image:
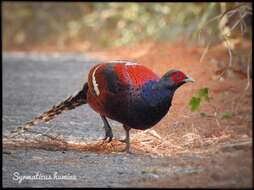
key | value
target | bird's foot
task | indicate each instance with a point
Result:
(123, 140)
(127, 147)
(108, 137)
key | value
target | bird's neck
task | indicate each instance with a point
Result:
(156, 94)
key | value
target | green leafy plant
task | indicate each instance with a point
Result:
(203, 95)
(227, 115)
(117, 24)
(195, 101)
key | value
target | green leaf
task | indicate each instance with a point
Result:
(203, 93)
(194, 103)
(227, 115)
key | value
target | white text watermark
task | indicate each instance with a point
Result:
(40, 176)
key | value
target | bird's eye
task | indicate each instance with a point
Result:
(178, 76)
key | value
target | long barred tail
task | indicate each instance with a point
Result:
(70, 103)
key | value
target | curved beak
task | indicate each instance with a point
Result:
(189, 79)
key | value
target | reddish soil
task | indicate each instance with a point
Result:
(183, 130)
(189, 132)
(228, 93)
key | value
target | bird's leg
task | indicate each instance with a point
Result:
(108, 130)
(127, 138)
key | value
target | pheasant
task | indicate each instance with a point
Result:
(123, 91)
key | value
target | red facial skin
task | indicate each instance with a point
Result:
(178, 77)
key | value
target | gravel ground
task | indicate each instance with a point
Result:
(32, 83)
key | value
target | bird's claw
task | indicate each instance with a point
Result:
(107, 139)
(123, 140)
(127, 147)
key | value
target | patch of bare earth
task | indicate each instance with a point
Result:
(227, 142)
(181, 129)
